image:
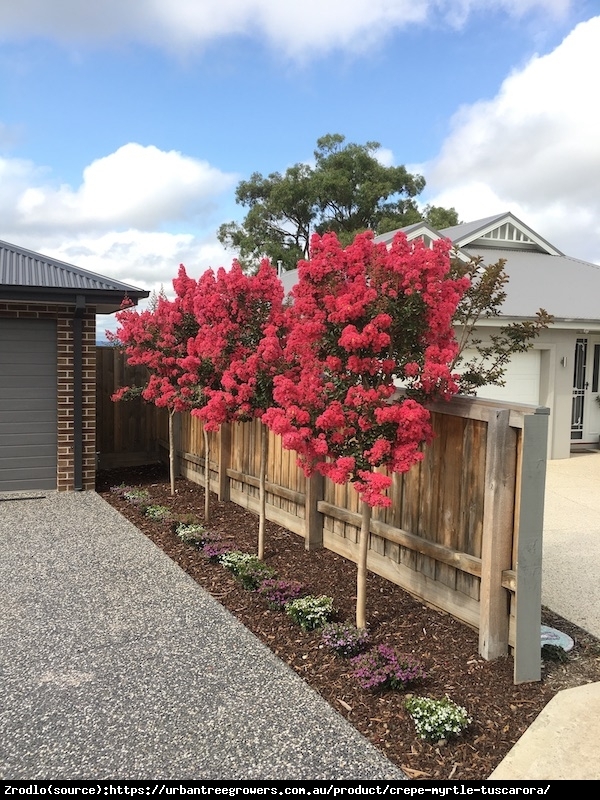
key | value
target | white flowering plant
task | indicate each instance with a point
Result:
(248, 569)
(437, 719)
(158, 513)
(310, 612)
(191, 533)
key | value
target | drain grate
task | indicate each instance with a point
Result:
(33, 497)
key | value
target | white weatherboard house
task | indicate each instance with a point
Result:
(562, 370)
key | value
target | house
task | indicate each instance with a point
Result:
(562, 369)
(48, 369)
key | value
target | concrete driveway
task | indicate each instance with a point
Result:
(571, 565)
(115, 664)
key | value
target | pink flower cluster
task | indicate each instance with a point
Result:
(363, 317)
(320, 372)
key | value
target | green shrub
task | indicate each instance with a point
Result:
(437, 719)
(158, 513)
(344, 638)
(192, 534)
(249, 570)
(310, 612)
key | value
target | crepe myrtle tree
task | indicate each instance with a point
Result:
(240, 326)
(157, 339)
(361, 317)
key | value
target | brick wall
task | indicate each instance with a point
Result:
(64, 314)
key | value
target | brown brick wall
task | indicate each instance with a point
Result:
(64, 314)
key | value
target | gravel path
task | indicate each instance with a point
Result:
(116, 665)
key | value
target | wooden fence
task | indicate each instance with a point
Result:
(127, 433)
(463, 533)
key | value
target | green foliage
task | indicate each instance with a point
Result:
(484, 300)
(384, 667)
(158, 513)
(346, 191)
(437, 719)
(192, 534)
(155, 297)
(249, 570)
(135, 497)
(310, 612)
(554, 652)
(344, 638)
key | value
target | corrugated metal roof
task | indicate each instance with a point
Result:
(457, 232)
(21, 267)
(386, 238)
(565, 287)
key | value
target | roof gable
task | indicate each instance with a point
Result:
(419, 230)
(502, 230)
(415, 231)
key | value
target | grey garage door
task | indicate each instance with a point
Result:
(27, 404)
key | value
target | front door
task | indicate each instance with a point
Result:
(585, 415)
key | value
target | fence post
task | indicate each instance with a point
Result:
(224, 456)
(530, 528)
(313, 519)
(497, 534)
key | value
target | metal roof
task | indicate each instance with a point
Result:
(465, 229)
(565, 287)
(26, 275)
(411, 231)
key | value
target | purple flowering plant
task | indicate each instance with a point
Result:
(384, 668)
(131, 494)
(135, 497)
(214, 548)
(344, 638)
(279, 592)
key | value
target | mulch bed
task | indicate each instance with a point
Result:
(501, 712)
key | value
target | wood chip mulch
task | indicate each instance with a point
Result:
(501, 712)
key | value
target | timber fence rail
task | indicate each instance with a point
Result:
(463, 532)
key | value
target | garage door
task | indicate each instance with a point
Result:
(27, 404)
(522, 378)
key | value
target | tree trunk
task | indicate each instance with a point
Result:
(264, 444)
(206, 476)
(361, 573)
(171, 452)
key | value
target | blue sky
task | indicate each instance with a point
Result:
(125, 127)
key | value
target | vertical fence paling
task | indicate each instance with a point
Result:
(498, 520)
(464, 530)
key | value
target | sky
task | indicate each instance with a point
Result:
(126, 126)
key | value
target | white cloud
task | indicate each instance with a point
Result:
(143, 259)
(533, 149)
(114, 222)
(134, 186)
(294, 27)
